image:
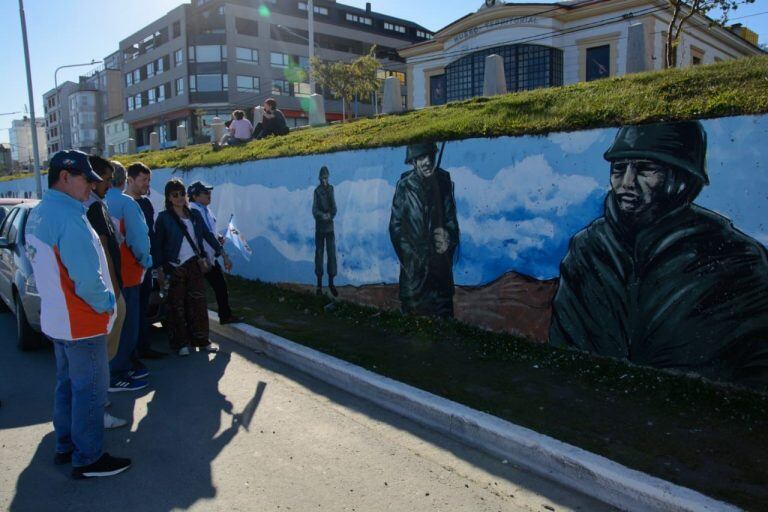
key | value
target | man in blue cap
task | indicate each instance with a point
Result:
(659, 280)
(77, 311)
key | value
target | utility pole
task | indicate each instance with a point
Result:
(311, 15)
(38, 183)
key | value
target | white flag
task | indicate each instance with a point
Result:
(238, 240)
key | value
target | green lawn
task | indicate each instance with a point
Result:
(708, 437)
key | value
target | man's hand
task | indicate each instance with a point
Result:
(441, 240)
(227, 263)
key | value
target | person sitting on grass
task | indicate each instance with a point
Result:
(239, 131)
(273, 122)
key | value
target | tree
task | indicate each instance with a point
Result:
(683, 11)
(346, 80)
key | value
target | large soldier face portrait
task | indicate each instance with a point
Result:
(425, 165)
(637, 184)
(659, 280)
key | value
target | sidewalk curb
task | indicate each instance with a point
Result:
(567, 465)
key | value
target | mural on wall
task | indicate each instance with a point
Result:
(658, 280)
(652, 267)
(324, 210)
(425, 233)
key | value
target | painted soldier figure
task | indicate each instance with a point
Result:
(324, 210)
(425, 233)
(658, 280)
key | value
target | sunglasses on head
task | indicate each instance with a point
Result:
(180, 193)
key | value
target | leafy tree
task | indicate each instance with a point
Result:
(683, 11)
(344, 80)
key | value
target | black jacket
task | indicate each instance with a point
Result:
(169, 237)
(101, 222)
(418, 208)
(274, 126)
(689, 292)
(324, 202)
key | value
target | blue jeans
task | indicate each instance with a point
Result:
(145, 290)
(121, 363)
(82, 377)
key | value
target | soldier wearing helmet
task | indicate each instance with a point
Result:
(659, 280)
(324, 210)
(424, 232)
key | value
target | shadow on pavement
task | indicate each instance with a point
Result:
(186, 423)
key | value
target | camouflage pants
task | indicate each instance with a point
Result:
(187, 309)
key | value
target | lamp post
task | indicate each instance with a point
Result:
(38, 183)
(311, 15)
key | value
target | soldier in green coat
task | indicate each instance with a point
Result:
(324, 210)
(424, 232)
(659, 280)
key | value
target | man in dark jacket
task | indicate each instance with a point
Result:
(658, 280)
(324, 210)
(273, 122)
(424, 231)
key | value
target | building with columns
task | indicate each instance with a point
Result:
(545, 45)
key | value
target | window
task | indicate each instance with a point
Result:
(247, 83)
(279, 60)
(151, 96)
(318, 10)
(280, 88)
(160, 65)
(300, 90)
(178, 58)
(437, 90)
(208, 83)
(359, 19)
(423, 35)
(161, 92)
(207, 53)
(176, 29)
(128, 79)
(598, 62)
(137, 101)
(179, 86)
(526, 66)
(697, 56)
(394, 28)
(136, 76)
(131, 103)
(247, 27)
(150, 69)
(248, 55)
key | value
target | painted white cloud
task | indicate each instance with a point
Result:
(576, 142)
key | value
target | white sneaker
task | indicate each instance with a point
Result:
(210, 348)
(184, 351)
(111, 422)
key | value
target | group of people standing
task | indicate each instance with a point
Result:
(94, 243)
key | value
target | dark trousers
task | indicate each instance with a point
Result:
(215, 278)
(187, 311)
(122, 362)
(325, 242)
(145, 291)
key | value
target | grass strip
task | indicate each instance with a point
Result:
(701, 435)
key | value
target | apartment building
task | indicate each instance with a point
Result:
(20, 135)
(116, 135)
(546, 45)
(204, 59)
(57, 130)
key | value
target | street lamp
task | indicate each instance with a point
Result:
(311, 12)
(23, 19)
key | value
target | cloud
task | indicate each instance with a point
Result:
(576, 142)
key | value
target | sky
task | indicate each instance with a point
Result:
(93, 29)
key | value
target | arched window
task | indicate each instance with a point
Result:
(526, 66)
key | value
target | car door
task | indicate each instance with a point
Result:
(6, 259)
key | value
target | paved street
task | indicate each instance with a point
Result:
(237, 431)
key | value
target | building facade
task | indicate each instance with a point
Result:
(116, 135)
(21, 142)
(546, 45)
(6, 160)
(57, 130)
(203, 60)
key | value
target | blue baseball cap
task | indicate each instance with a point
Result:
(198, 188)
(74, 162)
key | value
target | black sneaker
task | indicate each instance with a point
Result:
(107, 465)
(62, 458)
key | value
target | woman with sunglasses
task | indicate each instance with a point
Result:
(179, 235)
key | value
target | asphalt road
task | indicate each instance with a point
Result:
(237, 431)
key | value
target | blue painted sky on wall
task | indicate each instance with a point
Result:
(519, 201)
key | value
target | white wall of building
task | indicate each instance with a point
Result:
(21, 141)
(116, 134)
